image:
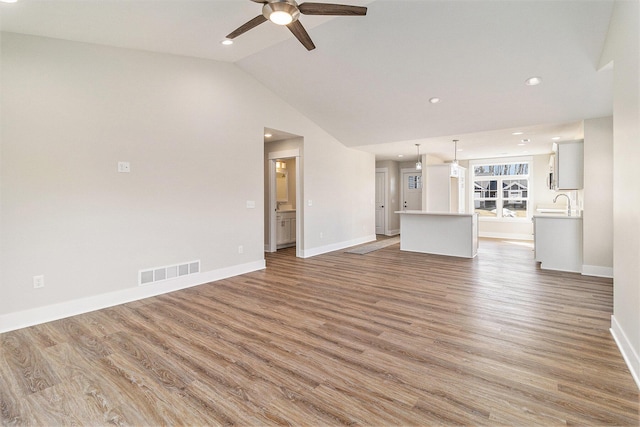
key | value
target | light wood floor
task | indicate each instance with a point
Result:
(386, 338)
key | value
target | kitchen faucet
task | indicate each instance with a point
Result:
(568, 202)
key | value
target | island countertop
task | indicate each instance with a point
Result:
(440, 233)
(416, 212)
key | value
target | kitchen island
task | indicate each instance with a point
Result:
(452, 234)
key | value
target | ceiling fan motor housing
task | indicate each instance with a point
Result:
(287, 6)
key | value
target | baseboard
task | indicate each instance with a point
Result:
(392, 232)
(35, 316)
(597, 271)
(506, 236)
(308, 253)
(630, 356)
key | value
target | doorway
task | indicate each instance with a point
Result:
(411, 192)
(283, 201)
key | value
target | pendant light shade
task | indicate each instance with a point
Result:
(418, 161)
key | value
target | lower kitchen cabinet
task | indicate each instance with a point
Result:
(558, 242)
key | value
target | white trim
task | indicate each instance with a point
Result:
(308, 253)
(48, 313)
(508, 236)
(628, 353)
(273, 155)
(394, 232)
(597, 271)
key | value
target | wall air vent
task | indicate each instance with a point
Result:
(158, 274)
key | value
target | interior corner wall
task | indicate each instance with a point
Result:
(192, 130)
(623, 46)
(598, 197)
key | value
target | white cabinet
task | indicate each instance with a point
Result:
(446, 188)
(558, 242)
(285, 229)
(568, 169)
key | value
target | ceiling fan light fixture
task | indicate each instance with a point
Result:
(280, 12)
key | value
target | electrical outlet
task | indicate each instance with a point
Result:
(240, 249)
(38, 282)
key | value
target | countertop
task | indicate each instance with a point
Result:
(555, 216)
(415, 212)
(285, 210)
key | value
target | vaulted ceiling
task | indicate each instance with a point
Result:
(369, 81)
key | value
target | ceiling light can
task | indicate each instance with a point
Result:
(533, 81)
(434, 100)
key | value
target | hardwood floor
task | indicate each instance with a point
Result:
(386, 338)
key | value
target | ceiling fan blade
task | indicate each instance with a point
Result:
(301, 34)
(247, 26)
(331, 9)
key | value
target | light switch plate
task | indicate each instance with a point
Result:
(251, 204)
(124, 167)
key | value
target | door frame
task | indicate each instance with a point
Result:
(385, 173)
(273, 205)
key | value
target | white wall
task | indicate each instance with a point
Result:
(71, 111)
(623, 48)
(598, 197)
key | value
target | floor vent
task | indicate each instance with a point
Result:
(158, 274)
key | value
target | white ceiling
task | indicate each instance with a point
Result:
(370, 78)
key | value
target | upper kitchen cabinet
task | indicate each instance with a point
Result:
(569, 166)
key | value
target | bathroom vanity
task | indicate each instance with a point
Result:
(285, 228)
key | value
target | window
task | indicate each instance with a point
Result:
(501, 190)
(415, 182)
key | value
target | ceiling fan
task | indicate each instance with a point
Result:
(287, 12)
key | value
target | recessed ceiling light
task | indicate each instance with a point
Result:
(8, 1)
(400, 155)
(517, 133)
(526, 140)
(268, 135)
(555, 138)
(227, 42)
(533, 81)
(434, 100)
(521, 144)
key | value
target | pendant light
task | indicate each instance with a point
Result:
(455, 152)
(418, 162)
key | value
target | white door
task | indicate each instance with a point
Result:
(412, 190)
(381, 210)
